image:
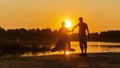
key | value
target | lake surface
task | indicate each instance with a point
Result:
(93, 47)
(98, 47)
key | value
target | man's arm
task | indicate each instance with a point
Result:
(88, 31)
(75, 27)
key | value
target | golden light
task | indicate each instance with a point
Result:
(67, 52)
(68, 23)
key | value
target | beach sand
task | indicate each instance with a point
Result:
(93, 60)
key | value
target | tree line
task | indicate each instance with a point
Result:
(29, 35)
(47, 34)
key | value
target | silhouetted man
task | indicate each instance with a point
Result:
(82, 36)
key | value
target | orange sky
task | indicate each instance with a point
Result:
(100, 15)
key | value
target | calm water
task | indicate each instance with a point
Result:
(93, 47)
(98, 47)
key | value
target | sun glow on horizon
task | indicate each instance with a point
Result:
(68, 23)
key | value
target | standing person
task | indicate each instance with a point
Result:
(63, 41)
(83, 27)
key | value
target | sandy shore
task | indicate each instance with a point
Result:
(93, 60)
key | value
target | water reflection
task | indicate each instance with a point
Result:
(93, 47)
(104, 46)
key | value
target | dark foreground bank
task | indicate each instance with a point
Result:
(93, 60)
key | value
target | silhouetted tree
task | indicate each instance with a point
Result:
(94, 36)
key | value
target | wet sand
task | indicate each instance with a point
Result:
(93, 60)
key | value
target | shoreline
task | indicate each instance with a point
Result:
(93, 60)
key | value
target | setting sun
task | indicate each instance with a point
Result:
(68, 23)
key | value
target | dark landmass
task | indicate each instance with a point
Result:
(93, 60)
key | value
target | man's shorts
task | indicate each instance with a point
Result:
(83, 42)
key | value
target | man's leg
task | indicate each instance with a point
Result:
(81, 47)
(85, 51)
(85, 47)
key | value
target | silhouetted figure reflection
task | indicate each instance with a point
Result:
(82, 36)
(63, 41)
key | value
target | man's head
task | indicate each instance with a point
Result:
(80, 19)
(63, 24)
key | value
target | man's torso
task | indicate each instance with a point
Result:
(82, 29)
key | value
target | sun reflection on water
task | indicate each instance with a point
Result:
(67, 52)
